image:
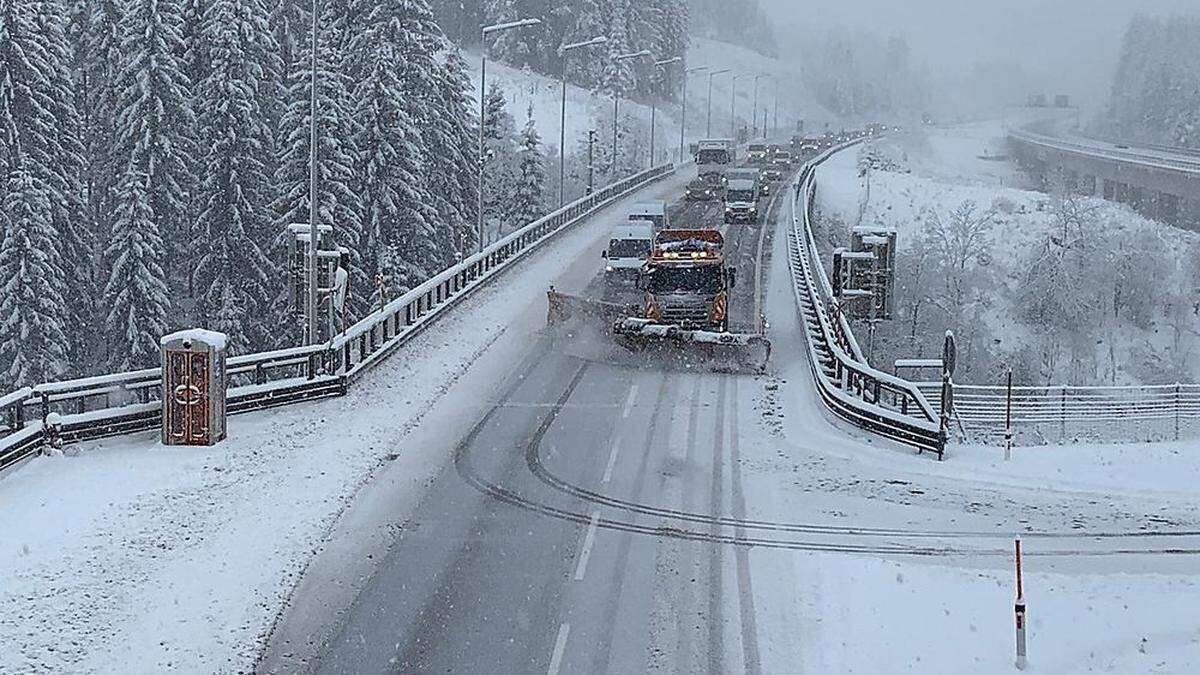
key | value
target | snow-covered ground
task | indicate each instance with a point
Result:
(127, 557)
(939, 169)
(852, 613)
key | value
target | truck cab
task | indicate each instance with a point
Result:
(741, 201)
(629, 246)
(714, 158)
(685, 281)
(655, 212)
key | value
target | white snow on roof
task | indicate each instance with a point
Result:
(208, 337)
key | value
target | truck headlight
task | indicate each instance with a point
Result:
(609, 268)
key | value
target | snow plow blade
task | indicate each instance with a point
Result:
(724, 351)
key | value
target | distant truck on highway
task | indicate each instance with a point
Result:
(655, 212)
(629, 246)
(741, 201)
(714, 157)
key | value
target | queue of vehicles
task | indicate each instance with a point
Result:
(670, 285)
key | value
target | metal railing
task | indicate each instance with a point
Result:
(1161, 160)
(108, 405)
(864, 396)
(1129, 413)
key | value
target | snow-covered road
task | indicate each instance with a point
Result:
(595, 518)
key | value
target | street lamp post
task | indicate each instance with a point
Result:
(617, 105)
(708, 123)
(754, 124)
(488, 30)
(654, 105)
(733, 107)
(683, 108)
(562, 128)
(310, 301)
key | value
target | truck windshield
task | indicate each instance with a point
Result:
(706, 279)
(740, 196)
(713, 157)
(628, 248)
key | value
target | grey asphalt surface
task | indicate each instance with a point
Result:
(517, 562)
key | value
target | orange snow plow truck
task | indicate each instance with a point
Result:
(686, 288)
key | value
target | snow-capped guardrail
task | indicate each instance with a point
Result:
(868, 398)
(1161, 411)
(1151, 158)
(108, 405)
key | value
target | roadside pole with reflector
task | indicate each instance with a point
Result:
(1020, 613)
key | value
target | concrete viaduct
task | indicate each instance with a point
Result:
(1160, 183)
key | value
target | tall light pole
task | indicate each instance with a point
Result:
(310, 304)
(683, 108)
(562, 127)
(775, 125)
(754, 124)
(654, 104)
(708, 124)
(733, 107)
(617, 104)
(484, 33)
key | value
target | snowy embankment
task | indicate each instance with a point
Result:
(848, 613)
(523, 88)
(1132, 326)
(124, 556)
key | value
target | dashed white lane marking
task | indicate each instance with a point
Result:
(560, 646)
(629, 401)
(612, 458)
(589, 540)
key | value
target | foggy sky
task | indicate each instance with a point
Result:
(1063, 45)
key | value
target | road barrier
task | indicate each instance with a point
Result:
(109, 405)
(1147, 157)
(864, 396)
(1159, 412)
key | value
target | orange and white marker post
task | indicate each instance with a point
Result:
(1020, 611)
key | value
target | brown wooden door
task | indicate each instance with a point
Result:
(187, 389)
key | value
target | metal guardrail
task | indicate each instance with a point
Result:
(868, 398)
(990, 409)
(1182, 164)
(109, 405)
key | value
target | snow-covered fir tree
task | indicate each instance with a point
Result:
(528, 197)
(153, 125)
(499, 131)
(453, 155)
(135, 298)
(234, 279)
(33, 314)
(39, 135)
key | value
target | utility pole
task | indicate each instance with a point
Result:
(733, 108)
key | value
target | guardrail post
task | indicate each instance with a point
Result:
(1008, 432)
(260, 374)
(346, 356)
(1177, 403)
(1062, 413)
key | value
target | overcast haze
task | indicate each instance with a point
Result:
(1068, 45)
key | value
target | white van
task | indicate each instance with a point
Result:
(629, 246)
(655, 212)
